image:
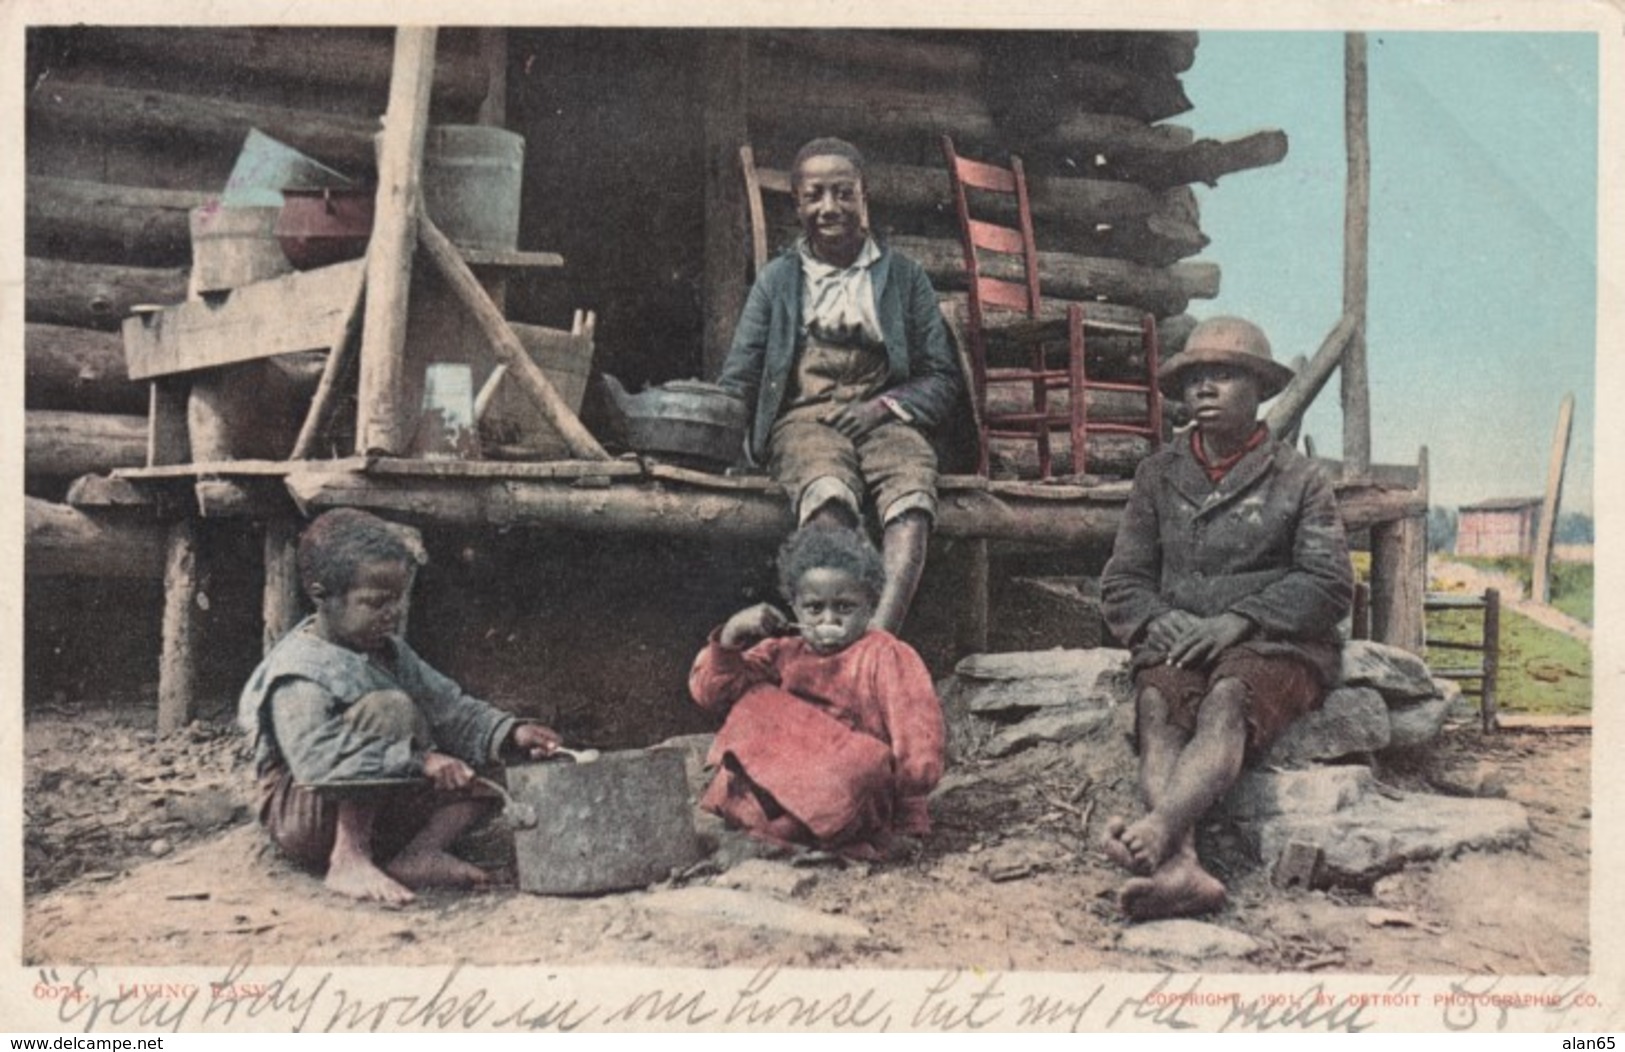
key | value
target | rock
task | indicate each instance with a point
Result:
(1461, 705)
(1482, 779)
(1185, 938)
(1014, 683)
(1351, 720)
(1416, 723)
(1394, 673)
(205, 809)
(159, 848)
(1366, 830)
(774, 878)
(1064, 724)
(1022, 857)
(694, 748)
(752, 911)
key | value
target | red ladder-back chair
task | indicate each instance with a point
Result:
(1004, 313)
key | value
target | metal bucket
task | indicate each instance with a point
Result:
(620, 822)
(232, 247)
(265, 166)
(471, 180)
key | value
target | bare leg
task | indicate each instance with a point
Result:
(426, 862)
(1161, 744)
(902, 549)
(1205, 771)
(350, 869)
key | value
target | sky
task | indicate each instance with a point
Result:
(1483, 258)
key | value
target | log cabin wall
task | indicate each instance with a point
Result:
(631, 173)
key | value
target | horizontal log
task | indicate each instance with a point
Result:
(1104, 406)
(296, 312)
(83, 369)
(99, 222)
(1200, 162)
(332, 56)
(1109, 456)
(63, 541)
(95, 295)
(904, 54)
(67, 445)
(1063, 276)
(63, 108)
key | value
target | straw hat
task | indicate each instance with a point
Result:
(1226, 341)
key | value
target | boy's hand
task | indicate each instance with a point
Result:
(1207, 638)
(447, 772)
(1167, 629)
(856, 419)
(537, 741)
(752, 625)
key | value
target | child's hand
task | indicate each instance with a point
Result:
(447, 772)
(1166, 629)
(1207, 638)
(537, 741)
(856, 419)
(752, 625)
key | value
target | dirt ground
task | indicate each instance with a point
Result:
(141, 850)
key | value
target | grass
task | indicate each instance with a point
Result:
(1542, 671)
(1572, 583)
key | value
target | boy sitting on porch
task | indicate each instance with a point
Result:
(343, 698)
(846, 359)
(834, 734)
(1229, 577)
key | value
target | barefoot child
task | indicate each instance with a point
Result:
(845, 358)
(343, 698)
(834, 734)
(1229, 576)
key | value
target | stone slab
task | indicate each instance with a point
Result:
(746, 909)
(1185, 938)
(772, 878)
(1397, 674)
(1417, 723)
(993, 684)
(1061, 725)
(1351, 720)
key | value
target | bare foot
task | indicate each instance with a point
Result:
(1180, 888)
(1111, 842)
(365, 881)
(435, 869)
(1149, 843)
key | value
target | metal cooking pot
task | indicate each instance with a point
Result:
(317, 228)
(683, 420)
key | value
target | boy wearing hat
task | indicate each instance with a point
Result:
(1228, 579)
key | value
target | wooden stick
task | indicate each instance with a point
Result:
(1540, 588)
(177, 664)
(1356, 234)
(1290, 405)
(506, 345)
(381, 426)
(339, 358)
(283, 598)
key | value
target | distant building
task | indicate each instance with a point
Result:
(1505, 526)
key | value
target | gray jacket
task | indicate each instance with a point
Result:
(1266, 542)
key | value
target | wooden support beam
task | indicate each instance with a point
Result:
(1356, 237)
(295, 312)
(340, 358)
(1399, 582)
(80, 369)
(67, 444)
(380, 427)
(283, 603)
(1540, 588)
(95, 295)
(61, 541)
(182, 628)
(100, 222)
(506, 345)
(970, 563)
(1286, 412)
(167, 439)
(727, 264)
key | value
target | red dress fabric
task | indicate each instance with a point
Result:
(831, 751)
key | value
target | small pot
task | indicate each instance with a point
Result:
(686, 421)
(317, 228)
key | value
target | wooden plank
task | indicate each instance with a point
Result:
(397, 467)
(1540, 588)
(60, 541)
(380, 427)
(229, 468)
(1398, 582)
(167, 438)
(1356, 383)
(480, 258)
(295, 312)
(283, 602)
(182, 629)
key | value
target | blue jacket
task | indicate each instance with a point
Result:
(923, 372)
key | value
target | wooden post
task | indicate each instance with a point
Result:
(380, 428)
(1398, 580)
(1492, 658)
(283, 601)
(494, 57)
(1540, 588)
(167, 438)
(1356, 389)
(177, 663)
(970, 626)
(727, 273)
